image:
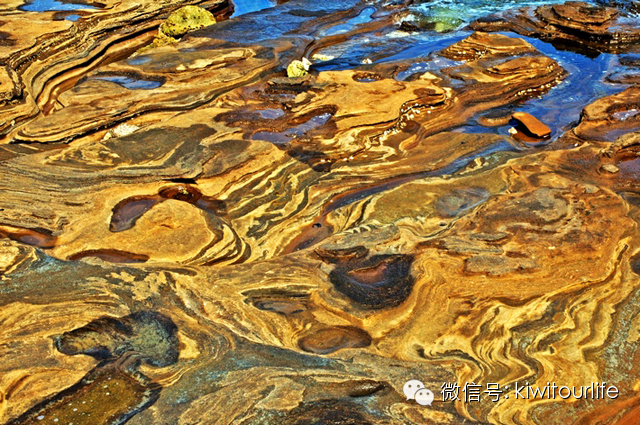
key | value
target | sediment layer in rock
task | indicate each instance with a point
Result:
(51, 53)
(218, 242)
(580, 25)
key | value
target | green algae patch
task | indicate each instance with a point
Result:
(186, 19)
(439, 19)
(160, 40)
(180, 22)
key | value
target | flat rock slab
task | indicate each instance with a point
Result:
(532, 124)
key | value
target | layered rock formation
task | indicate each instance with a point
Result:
(572, 24)
(218, 243)
(50, 54)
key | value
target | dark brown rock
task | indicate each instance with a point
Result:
(326, 341)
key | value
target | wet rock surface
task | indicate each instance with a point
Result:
(532, 125)
(481, 44)
(578, 24)
(188, 235)
(52, 53)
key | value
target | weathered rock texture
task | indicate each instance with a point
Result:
(43, 54)
(252, 248)
(578, 24)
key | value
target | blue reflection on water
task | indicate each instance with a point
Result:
(562, 105)
(46, 5)
(242, 7)
(364, 16)
(131, 83)
(138, 60)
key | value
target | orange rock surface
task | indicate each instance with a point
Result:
(189, 236)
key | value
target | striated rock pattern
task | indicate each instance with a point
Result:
(574, 24)
(190, 236)
(481, 44)
(41, 60)
(611, 116)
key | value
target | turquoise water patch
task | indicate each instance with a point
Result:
(451, 14)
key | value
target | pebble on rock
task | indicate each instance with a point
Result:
(532, 124)
(298, 68)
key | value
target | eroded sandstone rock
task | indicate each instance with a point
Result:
(271, 250)
(532, 124)
(52, 53)
(582, 25)
(481, 44)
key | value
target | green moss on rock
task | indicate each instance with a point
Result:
(159, 41)
(186, 19)
(180, 22)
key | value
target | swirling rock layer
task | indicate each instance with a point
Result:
(43, 59)
(218, 243)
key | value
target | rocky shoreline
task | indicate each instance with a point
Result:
(189, 234)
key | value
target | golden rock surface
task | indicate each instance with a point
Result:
(261, 249)
(51, 53)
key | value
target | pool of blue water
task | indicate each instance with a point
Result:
(586, 82)
(48, 5)
(363, 17)
(242, 7)
(559, 108)
(131, 83)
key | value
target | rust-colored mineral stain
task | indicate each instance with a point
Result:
(181, 192)
(212, 205)
(372, 274)
(111, 255)
(128, 211)
(281, 306)
(40, 238)
(105, 395)
(326, 341)
(309, 236)
(532, 125)
(192, 195)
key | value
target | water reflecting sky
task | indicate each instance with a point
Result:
(247, 6)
